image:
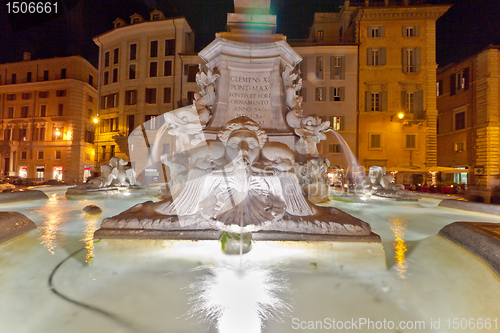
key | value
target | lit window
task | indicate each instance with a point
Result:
(320, 94)
(320, 34)
(375, 101)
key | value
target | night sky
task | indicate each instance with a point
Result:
(469, 26)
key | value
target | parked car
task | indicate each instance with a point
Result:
(6, 187)
(54, 182)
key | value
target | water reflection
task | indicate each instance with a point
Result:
(398, 227)
(53, 217)
(91, 224)
(239, 300)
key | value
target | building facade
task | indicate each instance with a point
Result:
(146, 68)
(468, 118)
(46, 111)
(396, 110)
(329, 87)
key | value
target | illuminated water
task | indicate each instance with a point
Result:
(150, 286)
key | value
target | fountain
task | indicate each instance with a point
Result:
(234, 176)
(244, 151)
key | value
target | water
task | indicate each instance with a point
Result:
(353, 166)
(159, 286)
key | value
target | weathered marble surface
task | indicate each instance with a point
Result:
(7, 197)
(482, 239)
(13, 224)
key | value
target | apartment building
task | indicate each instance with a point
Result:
(46, 111)
(146, 68)
(396, 110)
(468, 118)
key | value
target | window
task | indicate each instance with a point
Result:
(39, 134)
(115, 75)
(153, 50)
(167, 95)
(43, 110)
(320, 35)
(7, 134)
(90, 113)
(337, 68)
(411, 59)
(25, 111)
(43, 94)
(459, 81)
(14, 79)
(91, 80)
(413, 104)
(11, 97)
(334, 148)
(61, 93)
(106, 59)
(24, 155)
(10, 112)
(376, 56)
(115, 55)
(113, 124)
(58, 154)
(320, 94)
(167, 68)
(130, 123)
(63, 73)
(337, 94)
(28, 77)
(26, 96)
(153, 69)
(133, 52)
(130, 97)
(336, 123)
(156, 17)
(109, 101)
(318, 67)
(376, 31)
(22, 134)
(45, 75)
(91, 99)
(410, 102)
(40, 155)
(60, 110)
(411, 31)
(89, 136)
(439, 88)
(411, 141)
(190, 71)
(376, 101)
(131, 72)
(151, 95)
(459, 147)
(459, 120)
(106, 78)
(375, 141)
(170, 47)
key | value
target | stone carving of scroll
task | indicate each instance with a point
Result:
(204, 100)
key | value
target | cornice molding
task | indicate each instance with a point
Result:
(402, 13)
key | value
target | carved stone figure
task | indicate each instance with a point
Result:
(204, 100)
(125, 176)
(241, 184)
(378, 182)
(312, 131)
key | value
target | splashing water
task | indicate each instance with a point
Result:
(239, 300)
(351, 159)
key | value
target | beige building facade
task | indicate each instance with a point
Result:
(468, 120)
(396, 97)
(146, 67)
(46, 111)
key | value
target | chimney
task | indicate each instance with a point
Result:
(26, 56)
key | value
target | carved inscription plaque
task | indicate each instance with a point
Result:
(250, 95)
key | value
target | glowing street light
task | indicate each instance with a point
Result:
(96, 120)
(401, 115)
